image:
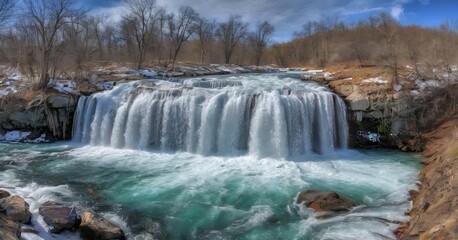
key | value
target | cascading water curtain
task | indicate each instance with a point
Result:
(214, 118)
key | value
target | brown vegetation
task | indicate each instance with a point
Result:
(45, 46)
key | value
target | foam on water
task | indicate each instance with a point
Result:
(195, 197)
(183, 195)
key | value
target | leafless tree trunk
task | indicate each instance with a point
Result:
(205, 31)
(181, 27)
(261, 38)
(230, 33)
(47, 18)
(142, 16)
(162, 18)
(388, 28)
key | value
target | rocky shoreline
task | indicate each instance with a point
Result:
(434, 214)
(15, 218)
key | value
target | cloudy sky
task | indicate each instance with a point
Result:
(289, 15)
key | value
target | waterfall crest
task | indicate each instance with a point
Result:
(266, 115)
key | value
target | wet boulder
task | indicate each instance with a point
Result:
(4, 194)
(9, 229)
(94, 226)
(324, 201)
(58, 216)
(15, 208)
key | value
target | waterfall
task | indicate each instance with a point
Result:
(265, 115)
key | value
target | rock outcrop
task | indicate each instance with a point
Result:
(49, 115)
(58, 216)
(324, 201)
(16, 208)
(9, 229)
(94, 226)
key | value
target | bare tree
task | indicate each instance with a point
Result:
(141, 16)
(180, 28)
(162, 19)
(98, 24)
(47, 18)
(6, 7)
(388, 27)
(205, 30)
(261, 38)
(414, 53)
(82, 41)
(230, 33)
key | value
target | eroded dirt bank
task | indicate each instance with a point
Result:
(413, 115)
(435, 207)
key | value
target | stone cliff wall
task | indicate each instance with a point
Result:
(49, 114)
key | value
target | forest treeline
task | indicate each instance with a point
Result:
(49, 38)
(378, 41)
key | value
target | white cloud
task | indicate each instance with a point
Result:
(286, 16)
(396, 12)
(113, 14)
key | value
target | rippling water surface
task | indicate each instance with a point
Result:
(187, 196)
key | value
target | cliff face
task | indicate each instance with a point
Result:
(46, 116)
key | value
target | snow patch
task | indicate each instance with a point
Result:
(315, 71)
(397, 87)
(376, 80)
(422, 85)
(19, 136)
(370, 136)
(63, 85)
(11, 73)
(101, 84)
(7, 90)
(16, 135)
(147, 73)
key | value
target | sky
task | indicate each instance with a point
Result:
(288, 16)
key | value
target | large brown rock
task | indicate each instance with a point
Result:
(5, 234)
(58, 217)
(94, 226)
(324, 201)
(9, 229)
(16, 208)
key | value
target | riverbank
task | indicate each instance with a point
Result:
(434, 213)
(412, 115)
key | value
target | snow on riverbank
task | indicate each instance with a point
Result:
(19, 136)
(376, 80)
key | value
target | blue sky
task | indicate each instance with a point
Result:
(288, 15)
